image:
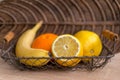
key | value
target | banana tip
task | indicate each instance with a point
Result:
(40, 22)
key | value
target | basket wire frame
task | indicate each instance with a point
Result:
(60, 17)
(95, 62)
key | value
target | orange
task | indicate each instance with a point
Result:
(44, 41)
(91, 42)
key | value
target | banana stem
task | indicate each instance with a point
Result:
(37, 26)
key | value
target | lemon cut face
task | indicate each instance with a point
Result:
(67, 46)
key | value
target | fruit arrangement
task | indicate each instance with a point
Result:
(65, 49)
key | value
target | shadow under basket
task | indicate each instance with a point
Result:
(60, 17)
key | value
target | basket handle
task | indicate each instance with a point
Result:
(110, 35)
(10, 35)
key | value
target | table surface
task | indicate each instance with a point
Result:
(110, 72)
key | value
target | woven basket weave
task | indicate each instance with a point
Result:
(60, 17)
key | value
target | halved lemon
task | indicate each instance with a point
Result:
(67, 47)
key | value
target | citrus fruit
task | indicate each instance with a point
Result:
(44, 41)
(67, 46)
(90, 41)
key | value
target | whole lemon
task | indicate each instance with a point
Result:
(91, 42)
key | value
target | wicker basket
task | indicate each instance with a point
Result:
(60, 17)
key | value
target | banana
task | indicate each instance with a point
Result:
(24, 50)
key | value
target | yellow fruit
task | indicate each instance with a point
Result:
(67, 46)
(91, 43)
(23, 48)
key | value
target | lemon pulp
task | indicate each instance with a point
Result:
(67, 46)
